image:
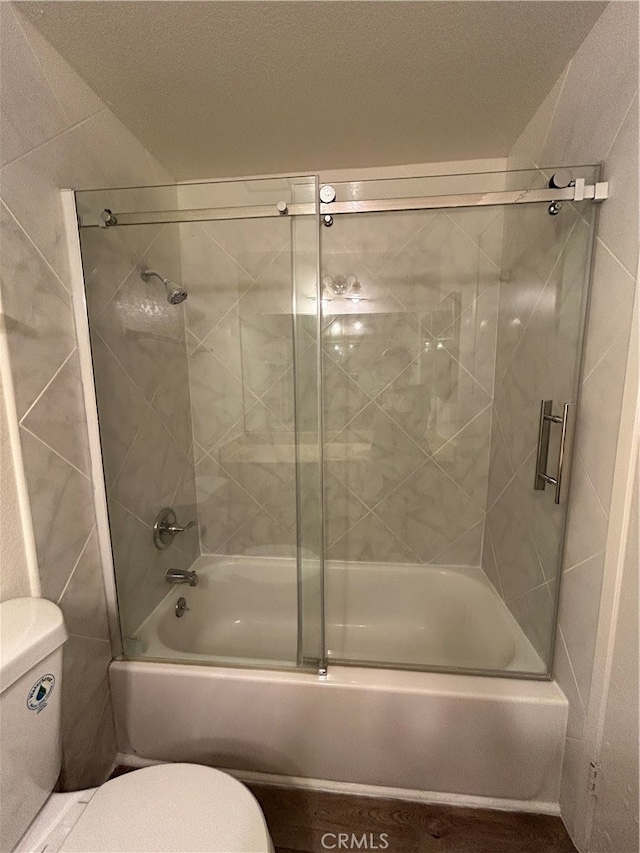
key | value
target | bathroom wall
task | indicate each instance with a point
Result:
(142, 388)
(591, 115)
(240, 341)
(56, 133)
(544, 273)
(408, 383)
(17, 577)
(615, 822)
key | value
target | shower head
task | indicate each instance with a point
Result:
(175, 293)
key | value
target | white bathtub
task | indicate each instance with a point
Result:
(244, 610)
(462, 739)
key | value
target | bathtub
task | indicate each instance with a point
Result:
(434, 736)
(244, 611)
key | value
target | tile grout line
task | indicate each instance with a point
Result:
(77, 562)
(59, 455)
(40, 395)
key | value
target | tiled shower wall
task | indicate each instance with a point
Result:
(408, 384)
(142, 387)
(240, 343)
(591, 116)
(56, 133)
(545, 267)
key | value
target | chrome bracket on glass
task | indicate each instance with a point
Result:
(567, 422)
(166, 527)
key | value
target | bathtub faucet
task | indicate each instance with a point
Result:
(181, 576)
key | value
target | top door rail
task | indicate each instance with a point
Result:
(579, 192)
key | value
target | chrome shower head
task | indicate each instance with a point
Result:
(175, 293)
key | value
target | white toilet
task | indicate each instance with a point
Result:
(168, 807)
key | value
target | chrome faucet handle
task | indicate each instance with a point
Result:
(175, 528)
(166, 527)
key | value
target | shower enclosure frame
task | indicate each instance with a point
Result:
(576, 193)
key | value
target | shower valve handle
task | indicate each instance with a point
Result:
(175, 528)
(166, 527)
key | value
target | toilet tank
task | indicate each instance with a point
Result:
(32, 634)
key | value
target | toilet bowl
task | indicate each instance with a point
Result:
(166, 807)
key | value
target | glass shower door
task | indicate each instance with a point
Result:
(199, 412)
(443, 330)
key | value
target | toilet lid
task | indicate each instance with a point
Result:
(171, 807)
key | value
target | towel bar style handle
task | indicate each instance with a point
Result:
(567, 420)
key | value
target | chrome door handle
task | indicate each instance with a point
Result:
(567, 420)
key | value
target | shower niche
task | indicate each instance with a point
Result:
(346, 397)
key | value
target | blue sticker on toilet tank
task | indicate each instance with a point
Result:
(40, 692)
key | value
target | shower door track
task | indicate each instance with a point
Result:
(581, 191)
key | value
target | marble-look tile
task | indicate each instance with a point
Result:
(223, 506)
(471, 339)
(599, 418)
(375, 238)
(618, 220)
(370, 540)
(58, 416)
(439, 261)
(74, 96)
(578, 617)
(85, 692)
(185, 505)
(600, 81)
(500, 468)
(133, 556)
(510, 525)
(40, 329)
(279, 399)
(122, 408)
(465, 551)
(586, 532)
(433, 399)
(217, 397)
(373, 348)
(342, 509)
(534, 613)
(83, 602)
(145, 332)
(214, 281)
(225, 342)
(261, 536)
(31, 185)
(372, 455)
(266, 343)
(610, 306)
(253, 243)
(483, 225)
(108, 258)
(465, 458)
(61, 501)
(575, 777)
(342, 398)
(172, 400)
(258, 469)
(563, 674)
(151, 471)
(489, 565)
(428, 512)
(31, 113)
(283, 507)
(102, 752)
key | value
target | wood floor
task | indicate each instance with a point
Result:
(299, 819)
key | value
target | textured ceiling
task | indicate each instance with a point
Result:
(234, 88)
